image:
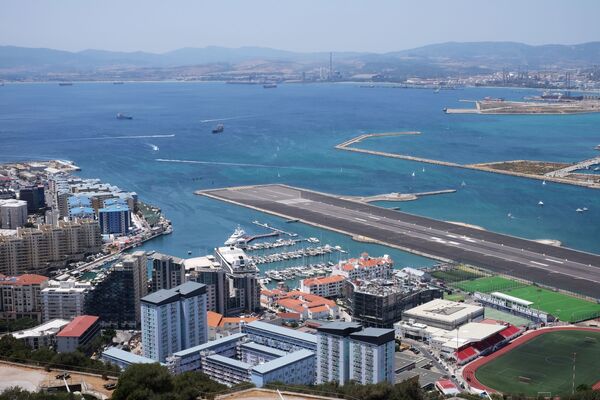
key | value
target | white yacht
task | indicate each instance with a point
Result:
(238, 236)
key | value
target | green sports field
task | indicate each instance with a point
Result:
(566, 308)
(562, 306)
(487, 284)
(545, 364)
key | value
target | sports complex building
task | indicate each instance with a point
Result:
(513, 305)
(456, 331)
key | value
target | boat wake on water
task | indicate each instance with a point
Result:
(204, 121)
(153, 146)
(230, 164)
(114, 137)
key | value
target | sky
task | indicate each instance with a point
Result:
(298, 25)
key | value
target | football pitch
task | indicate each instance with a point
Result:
(562, 306)
(487, 284)
(545, 364)
(566, 308)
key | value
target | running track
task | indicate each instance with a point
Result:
(470, 369)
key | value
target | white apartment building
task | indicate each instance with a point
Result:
(365, 267)
(173, 320)
(64, 300)
(328, 286)
(372, 356)
(13, 213)
(333, 351)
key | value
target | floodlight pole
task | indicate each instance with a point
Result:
(573, 388)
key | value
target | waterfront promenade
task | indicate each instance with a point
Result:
(559, 267)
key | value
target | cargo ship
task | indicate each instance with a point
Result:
(123, 116)
(270, 85)
(65, 84)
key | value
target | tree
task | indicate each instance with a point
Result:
(144, 381)
(190, 385)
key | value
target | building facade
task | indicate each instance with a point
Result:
(137, 262)
(279, 337)
(20, 296)
(13, 213)
(79, 332)
(173, 320)
(114, 220)
(167, 271)
(372, 356)
(333, 351)
(64, 300)
(380, 303)
(38, 249)
(328, 286)
(242, 292)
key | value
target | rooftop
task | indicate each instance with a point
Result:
(512, 299)
(283, 361)
(114, 208)
(196, 263)
(47, 328)
(377, 336)
(263, 349)
(442, 310)
(280, 330)
(209, 345)
(165, 296)
(78, 326)
(22, 280)
(323, 280)
(126, 356)
(231, 362)
(340, 328)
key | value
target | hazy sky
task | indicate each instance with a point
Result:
(304, 25)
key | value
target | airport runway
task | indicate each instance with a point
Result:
(559, 267)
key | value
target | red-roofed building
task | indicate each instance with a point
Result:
(309, 306)
(80, 331)
(365, 267)
(20, 296)
(446, 387)
(329, 286)
(268, 297)
(289, 317)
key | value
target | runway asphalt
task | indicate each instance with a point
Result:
(559, 267)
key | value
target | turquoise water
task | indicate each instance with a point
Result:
(287, 135)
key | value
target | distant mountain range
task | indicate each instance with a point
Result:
(443, 58)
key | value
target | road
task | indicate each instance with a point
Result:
(558, 267)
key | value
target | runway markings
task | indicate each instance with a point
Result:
(538, 263)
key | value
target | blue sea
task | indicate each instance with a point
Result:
(287, 135)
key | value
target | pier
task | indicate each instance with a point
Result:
(485, 167)
(572, 168)
(559, 267)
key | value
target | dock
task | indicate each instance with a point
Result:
(558, 267)
(563, 179)
(572, 168)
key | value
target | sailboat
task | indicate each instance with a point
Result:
(543, 182)
(463, 183)
(413, 174)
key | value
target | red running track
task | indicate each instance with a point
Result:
(470, 369)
